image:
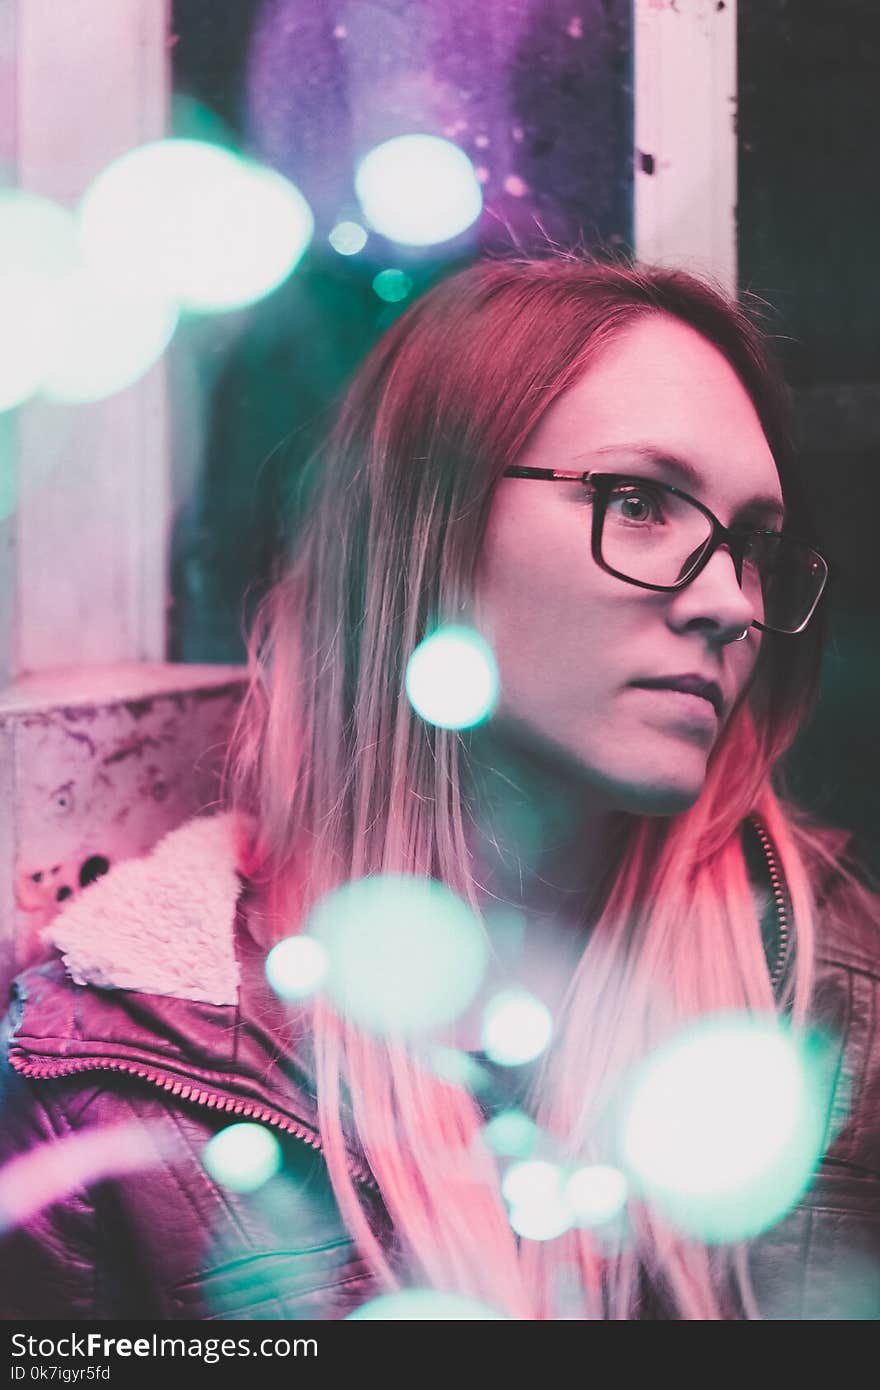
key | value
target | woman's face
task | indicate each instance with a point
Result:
(569, 638)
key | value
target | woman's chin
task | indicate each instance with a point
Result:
(662, 796)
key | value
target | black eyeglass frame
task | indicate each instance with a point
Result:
(735, 537)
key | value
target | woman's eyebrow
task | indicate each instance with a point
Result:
(681, 468)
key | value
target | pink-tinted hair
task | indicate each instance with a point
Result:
(340, 778)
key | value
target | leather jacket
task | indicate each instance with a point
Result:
(155, 1018)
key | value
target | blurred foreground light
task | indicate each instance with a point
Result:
(511, 1133)
(425, 1305)
(724, 1126)
(545, 1200)
(456, 1068)
(405, 954)
(26, 329)
(38, 248)
(36, 235)
(46, 1173)
(535, 1180)
(242, 1157)
(194, 223)
(65, 328)
(516, 1027)
(452, 678)
(418, 190)
(103, 338)
(347, 238)
(541, 1221)
(191, 119)
(534, 1191)
(595, 1193)
(392, 285)
(296, 966)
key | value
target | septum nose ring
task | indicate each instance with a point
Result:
(742, 636)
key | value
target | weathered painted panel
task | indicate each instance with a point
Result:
(95, 767)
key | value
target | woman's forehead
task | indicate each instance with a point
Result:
(660, 391)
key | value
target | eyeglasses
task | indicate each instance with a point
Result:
(654, 535)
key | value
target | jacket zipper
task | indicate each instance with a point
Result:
(216, 1100)
(779, 899)
(185, 1091)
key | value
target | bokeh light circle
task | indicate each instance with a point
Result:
(534, 1190)
(26, 329)
(104, 338)
(456, 1068)
(595, 1193)
(452, 679)
(722, 1127)
(511, 1133)
(195, 223)
(67, 327)
(242, 1157)
(392, 285)
(347, 238)
(36, 235)
(38, 249)
(405, 954)
(516, 1027)
(541, 1221)
(533, 1180)
(418, 190)
(296, 966)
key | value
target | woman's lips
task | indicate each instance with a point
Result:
(693, 708)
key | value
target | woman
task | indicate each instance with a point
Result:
(544, 450)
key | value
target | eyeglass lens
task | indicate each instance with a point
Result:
(653, 535)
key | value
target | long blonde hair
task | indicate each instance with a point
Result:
(340, 778)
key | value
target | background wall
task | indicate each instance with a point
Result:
(539, 94)
(808, 232)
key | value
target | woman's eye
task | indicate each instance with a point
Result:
(636, 504)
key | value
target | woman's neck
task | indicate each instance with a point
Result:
(540, 858)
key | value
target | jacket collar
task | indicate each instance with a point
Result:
(163, 942)
(172, 972)
(163, 923)
(167, 923)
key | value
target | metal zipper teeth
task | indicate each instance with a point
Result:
(184, 1091)
(779, 898)
(252, 1110)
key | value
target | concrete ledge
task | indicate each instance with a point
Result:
(96, 764)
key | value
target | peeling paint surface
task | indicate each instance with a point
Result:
(97, 781)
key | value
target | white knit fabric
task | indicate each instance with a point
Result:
(161, 923)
